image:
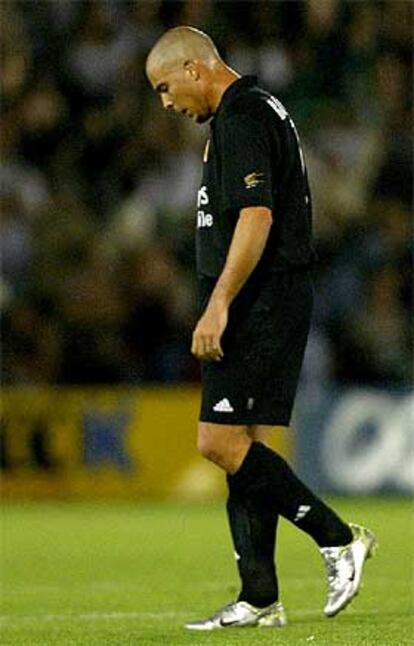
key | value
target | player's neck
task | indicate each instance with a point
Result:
(223, 77)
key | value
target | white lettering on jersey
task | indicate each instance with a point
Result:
(280, 110)
(202, 196)
(277, 107)
(203, 219)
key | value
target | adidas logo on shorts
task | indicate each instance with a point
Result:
(223, 406)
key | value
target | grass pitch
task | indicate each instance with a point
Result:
(119, 573)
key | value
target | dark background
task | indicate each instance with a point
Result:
(98, 184)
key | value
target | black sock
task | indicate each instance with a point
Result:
(253, 529)
(266, 479)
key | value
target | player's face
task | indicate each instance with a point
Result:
(181, 92)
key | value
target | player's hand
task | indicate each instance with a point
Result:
(208, 332)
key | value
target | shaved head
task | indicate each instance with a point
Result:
(186, 70)
(179, 45)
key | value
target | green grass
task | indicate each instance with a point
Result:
(119, 573)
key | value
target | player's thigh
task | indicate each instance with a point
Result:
(264, 344)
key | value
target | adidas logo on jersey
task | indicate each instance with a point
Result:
(223, 406)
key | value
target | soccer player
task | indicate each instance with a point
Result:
(254, 254)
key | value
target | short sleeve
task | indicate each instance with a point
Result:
(246, 165)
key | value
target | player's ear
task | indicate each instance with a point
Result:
(191, 68)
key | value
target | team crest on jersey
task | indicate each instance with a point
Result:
(253, 179)
(206, 151)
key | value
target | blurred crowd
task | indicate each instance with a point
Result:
(98, 184)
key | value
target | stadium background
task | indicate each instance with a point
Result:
(99, 543)
(98, 186)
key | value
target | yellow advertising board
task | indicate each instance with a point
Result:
(109, 442)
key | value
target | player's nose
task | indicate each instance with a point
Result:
(167, 103)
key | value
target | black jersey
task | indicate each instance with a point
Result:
(253, 158)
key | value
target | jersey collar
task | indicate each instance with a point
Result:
(233, 91)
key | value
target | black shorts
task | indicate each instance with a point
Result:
(263, 345)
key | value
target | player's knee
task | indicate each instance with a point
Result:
(208, 448)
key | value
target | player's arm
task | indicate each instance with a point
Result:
(248, 242)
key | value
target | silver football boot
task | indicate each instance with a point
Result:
(241, 614)
(344, 566)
